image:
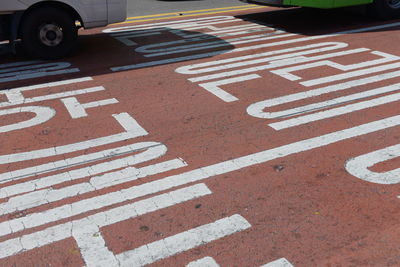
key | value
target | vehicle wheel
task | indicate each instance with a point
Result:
(48, 33)
(385, 9)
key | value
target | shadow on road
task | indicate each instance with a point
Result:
(312, 21)
(134, 47)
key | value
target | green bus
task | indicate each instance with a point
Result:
(385, 9)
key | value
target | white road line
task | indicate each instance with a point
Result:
(218, 43)
(184, 241)
(183, 24)
(254, 47)
(311, 38)
(360, 166)
(66, 230)
(42, 115)
(334, 112)
(279, 263)
(46, 85)
(330, 103)
(132, 130)
(216, 65)
(149, 150)
(350, 74)
(21, 63)
(167, 61)
(203, 262)
(17, 98)
(46, 196)
(287, 72)
(277, 64)
(214, 87)
(256, 109)
(78, 110)
(106, 200)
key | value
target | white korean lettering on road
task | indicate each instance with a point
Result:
(92, 171)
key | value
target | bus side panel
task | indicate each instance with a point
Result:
(342, 3)
(313, 3)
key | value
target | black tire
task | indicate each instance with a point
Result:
(385, 9)
(48, 33)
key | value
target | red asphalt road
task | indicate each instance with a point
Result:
(303, 206)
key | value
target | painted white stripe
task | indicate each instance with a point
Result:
(277, 64)
(218, 43)
(153, 150)
(132, 130)
(167, 61)
(311, 38)
(21, 63)
(214, 87)
(259, 58)
(92, 245)
(23, 75)
(42, 114)
(287, 72)
(334, 112)
(279, 263)
(177, 24)
(241, 29)
(360, 166)
(151, 147)
(21, 100)
(350, 74)
(254, 47)
(82, 206)
(203, 262)
(46, 196)
(60, 232)
(184, 241)
(47, 85)
(328, 103)
(256, 109)
(78, 110)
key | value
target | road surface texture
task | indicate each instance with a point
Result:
(263, 137)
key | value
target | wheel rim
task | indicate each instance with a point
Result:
(51, 34)
(394, 4)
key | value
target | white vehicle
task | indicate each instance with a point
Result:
(49, 28)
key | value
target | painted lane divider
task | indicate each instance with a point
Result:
(184, 241)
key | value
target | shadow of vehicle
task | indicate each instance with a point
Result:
(102, 53)
(313, 21)
(132, 47)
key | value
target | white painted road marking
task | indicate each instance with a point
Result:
(130, 125)
(279, 263)
(105, 200)
(173, 245)
(334, 112)
(203, 262)
(25, 70)
(257, 109)
(63, 231)
(359, 166)
(42, 115)
(15, 95)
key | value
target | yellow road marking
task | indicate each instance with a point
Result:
(178, 15)
(193, 11)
